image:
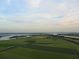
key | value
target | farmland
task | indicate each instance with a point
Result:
(38, 47)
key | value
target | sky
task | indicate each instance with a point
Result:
(39, 15)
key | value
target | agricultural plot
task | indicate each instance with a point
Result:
(38, 47)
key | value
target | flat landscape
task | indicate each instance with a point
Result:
(38, 47)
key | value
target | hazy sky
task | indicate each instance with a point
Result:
(39, 15)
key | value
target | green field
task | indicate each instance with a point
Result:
(38, 47)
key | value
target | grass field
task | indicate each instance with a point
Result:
(38, 47)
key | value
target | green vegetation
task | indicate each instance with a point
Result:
(38, 47)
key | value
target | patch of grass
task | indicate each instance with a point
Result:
(26, 53)
(41, 48)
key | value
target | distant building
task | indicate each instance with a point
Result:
(28, 36)
(55, 34)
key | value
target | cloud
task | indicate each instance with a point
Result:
(70, 22)
(36, 22)
(41, 15)
(39, 21)
(34, 3)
